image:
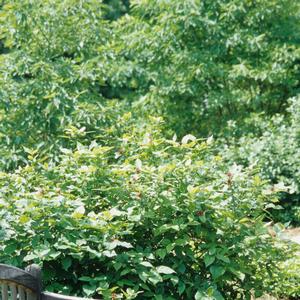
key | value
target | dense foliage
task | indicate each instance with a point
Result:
(276, 151)
(206, 62)
(102, 182)
(156, 216)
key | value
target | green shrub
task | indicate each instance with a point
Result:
(275, 150)
(146, 217)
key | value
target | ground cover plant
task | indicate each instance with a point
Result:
(144, 144)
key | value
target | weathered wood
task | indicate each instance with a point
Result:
(4, 290)
(17, 284)
(19, 277)
(13, 291)
(21, 292)
(36, 272)
(30, 295)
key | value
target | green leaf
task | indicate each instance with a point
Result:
(223, 258)
(181, 287)
(146, 264)
(154, 278)
(86, 278)
(208, 260)
(165, 270)
(66, 262)
(30, 257)
(210, 294)
(161, 253)
(166, 227)
(9, 249)
(54, 254)
(200, 295)
(237, 273)
(89, 290)
(216, 271)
